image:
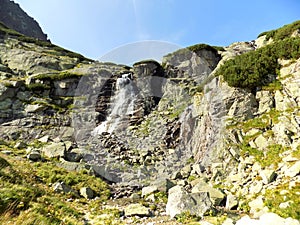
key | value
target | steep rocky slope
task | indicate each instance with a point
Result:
(15, 18)
(210, 135)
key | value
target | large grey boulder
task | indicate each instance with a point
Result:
(54, 150)
(180, 201)
(215, 195)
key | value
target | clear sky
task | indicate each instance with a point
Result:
(96, 27)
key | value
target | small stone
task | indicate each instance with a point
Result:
(268, 176)
(185, 171)
(293, 170)
(283, 192)
(135, 196)
(151, 198)
(216, 196)
(256, 167)
(44, 139)
(34, 156)
(261, 142)
(176, 175)
(34, 108)
(61, 187)
(149, 190)
(20, 145)
(197, 169)
(289, 158)
(136, 210)
(54, 150)
(231, 202)
(182, 182)
(284, 205)
(87, 192)
(6, 152)
(257, 207)
(256, 187)
(271, 218)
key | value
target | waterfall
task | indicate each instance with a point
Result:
(122, 106)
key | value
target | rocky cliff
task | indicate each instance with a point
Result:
(12, 16)
(211, 134)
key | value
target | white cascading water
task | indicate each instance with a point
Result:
(122, 106)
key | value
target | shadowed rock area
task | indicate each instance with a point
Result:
(13, 16)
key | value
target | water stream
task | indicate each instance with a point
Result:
(122, 106)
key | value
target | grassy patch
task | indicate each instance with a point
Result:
(273, 199)
(187, 217)
(27, 198)
(50, 173)
(37, 87)
(268, 157)
(57, 76)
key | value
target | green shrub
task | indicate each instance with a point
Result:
(252, 69)
(283, 32)
(199, 47)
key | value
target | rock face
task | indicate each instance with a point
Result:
(15, 18)
(180, 201)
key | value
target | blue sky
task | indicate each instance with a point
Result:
(97, 27)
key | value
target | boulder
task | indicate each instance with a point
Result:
(87, 192)
(34, 156)
(6, 92)
(149, 190)
(293, 170)
(257, 207)
(180, 201)
(215, 195)
(261, 142)
(231, 202)
(267, 175)
(266, 101)
(54, 150)
(136, 210)
(62, 187)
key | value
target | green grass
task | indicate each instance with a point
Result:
(37, 87)
(187, 217)
(57, 76)
(27, 198)
(273, 198)
(267, 157)
(5, 31)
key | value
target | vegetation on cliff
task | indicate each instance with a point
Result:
(283, 32)
(253, 69)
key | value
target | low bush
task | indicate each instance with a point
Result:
(253, 69)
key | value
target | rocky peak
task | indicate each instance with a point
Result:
(13, 16)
